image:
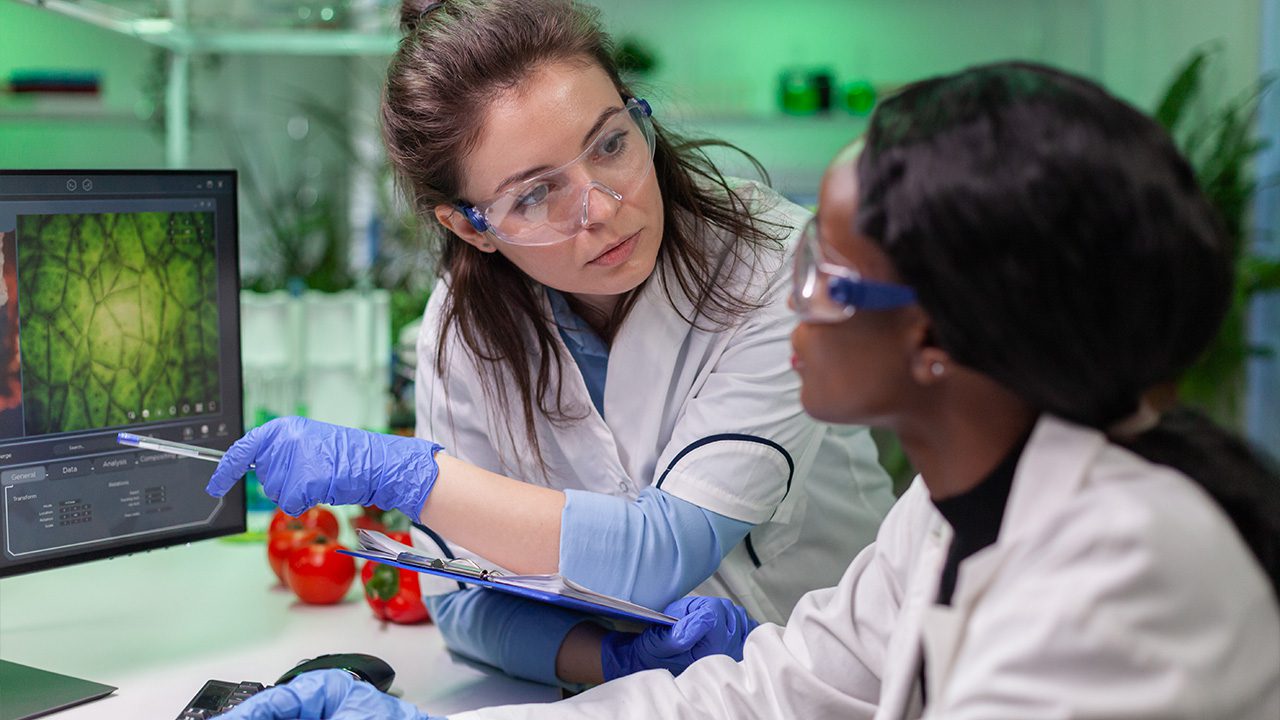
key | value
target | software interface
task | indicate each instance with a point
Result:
(118, 311)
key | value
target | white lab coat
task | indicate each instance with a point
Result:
(1116, 589)
(711, 414)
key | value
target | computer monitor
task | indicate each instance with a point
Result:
(119, 310)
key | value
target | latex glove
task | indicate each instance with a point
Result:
(303, 463)
(707, 626)
(324, 695)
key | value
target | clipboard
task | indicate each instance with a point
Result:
(550, 589)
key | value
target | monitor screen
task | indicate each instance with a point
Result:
(119, 310)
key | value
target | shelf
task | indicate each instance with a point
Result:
(220, 26)
(85, 116)
(285, 42)
(42, 108)
(184, 28)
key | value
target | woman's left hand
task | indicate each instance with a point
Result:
(303, 463)
(707, 626)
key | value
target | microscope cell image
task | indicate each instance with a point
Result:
(118, 318)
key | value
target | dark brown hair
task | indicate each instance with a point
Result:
(458, 55)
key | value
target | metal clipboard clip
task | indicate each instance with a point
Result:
(461, 566)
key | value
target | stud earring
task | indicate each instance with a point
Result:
(937, 369)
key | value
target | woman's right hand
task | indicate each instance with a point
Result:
(324, 695)
(706, 626)
(303, 463)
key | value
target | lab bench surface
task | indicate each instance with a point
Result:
(157, 625)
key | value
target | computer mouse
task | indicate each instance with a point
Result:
(368, 668)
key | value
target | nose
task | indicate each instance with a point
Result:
(605, 206)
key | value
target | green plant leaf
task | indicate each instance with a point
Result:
(1221, 145)
(1182, 91)
(1259, 275)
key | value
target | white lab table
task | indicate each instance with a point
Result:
(157, 625)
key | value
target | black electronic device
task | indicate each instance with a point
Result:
(219, 696)
(119, 311)
(368, 668)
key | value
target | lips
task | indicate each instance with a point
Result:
(616, 253)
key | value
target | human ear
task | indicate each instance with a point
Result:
(930, 364)
(455, 221)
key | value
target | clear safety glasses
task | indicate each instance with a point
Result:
(827, 292)
(553, 206)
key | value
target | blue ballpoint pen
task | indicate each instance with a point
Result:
(171, 447)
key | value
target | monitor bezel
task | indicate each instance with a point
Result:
(237, 495)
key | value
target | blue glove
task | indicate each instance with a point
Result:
(303, 463)
(324, 695)
(707, 626)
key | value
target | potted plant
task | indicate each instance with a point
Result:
(1220, 144)
(403, 264)
(315, 341)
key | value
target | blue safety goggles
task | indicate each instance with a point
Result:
(823, 291)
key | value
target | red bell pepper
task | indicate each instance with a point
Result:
(393, 593)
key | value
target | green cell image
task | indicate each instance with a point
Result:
(119, 318)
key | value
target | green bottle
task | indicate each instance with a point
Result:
(796, 93)
(859, 97)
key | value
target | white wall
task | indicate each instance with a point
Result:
(720, 61)
(726, 56)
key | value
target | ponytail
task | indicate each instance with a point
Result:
(1243, 481)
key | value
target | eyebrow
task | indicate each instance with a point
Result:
(586, 139)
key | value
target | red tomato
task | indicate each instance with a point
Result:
(319, 518)
(318, 574)
(370, 519)
(282, 543)
(400, 536)
(393, 593)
